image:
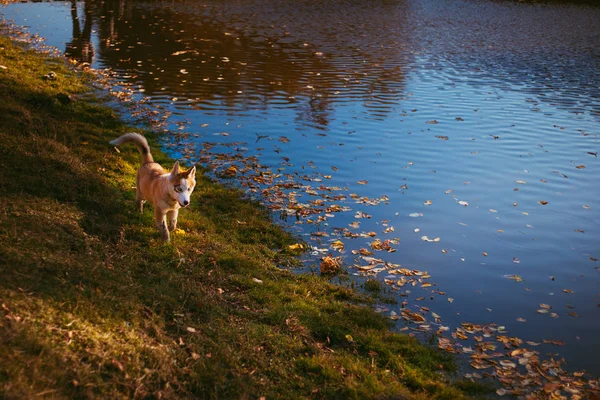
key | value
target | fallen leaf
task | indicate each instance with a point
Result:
(330, 264)
(516, 278)
(338, 245)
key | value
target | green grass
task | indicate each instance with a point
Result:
(94, 305)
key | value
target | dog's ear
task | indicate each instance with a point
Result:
(192, 172)
(175, 170)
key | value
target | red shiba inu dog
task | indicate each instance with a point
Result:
(167, 191)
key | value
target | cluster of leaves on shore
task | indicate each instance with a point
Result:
(92, 304)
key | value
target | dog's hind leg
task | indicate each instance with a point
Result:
(139, 200)
(161, 224)
(172, 218)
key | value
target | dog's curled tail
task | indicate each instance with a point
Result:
(139, 141)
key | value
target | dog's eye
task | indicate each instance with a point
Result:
(178, 189)
(189, 189)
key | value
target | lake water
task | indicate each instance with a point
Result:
(475, 122)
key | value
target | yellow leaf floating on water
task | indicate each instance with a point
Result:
(363, 182)
(338, 245)
(365, 252)
(297, 246)
(516, 278)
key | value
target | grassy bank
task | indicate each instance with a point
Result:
(92, 304)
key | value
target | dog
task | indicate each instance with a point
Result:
(167, 191)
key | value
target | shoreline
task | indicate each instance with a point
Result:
(95, 305)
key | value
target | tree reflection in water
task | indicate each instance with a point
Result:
(80, 48)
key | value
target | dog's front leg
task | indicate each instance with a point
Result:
(161, 224)
(172, 218)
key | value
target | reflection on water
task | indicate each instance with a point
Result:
(478, 121)
(80, 47)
